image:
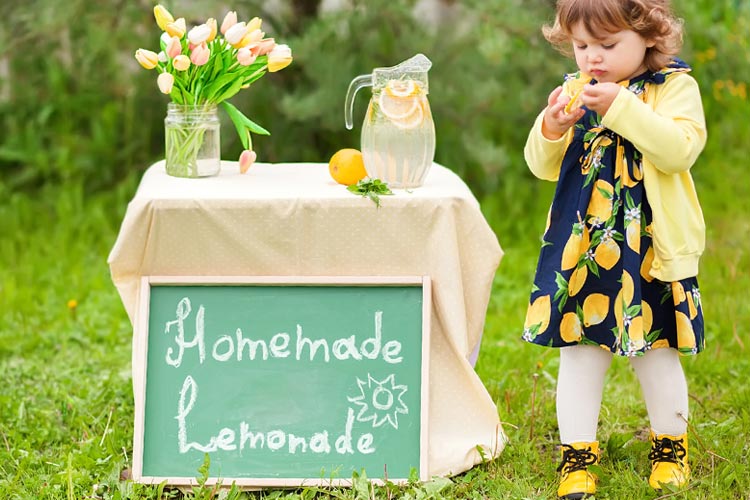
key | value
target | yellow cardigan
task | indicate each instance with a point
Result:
(669, 129)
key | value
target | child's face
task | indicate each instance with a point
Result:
(615, 57)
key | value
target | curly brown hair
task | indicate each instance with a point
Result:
(651, 19)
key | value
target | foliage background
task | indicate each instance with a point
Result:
(81, 121)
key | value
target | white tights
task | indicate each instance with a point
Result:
(581, 381)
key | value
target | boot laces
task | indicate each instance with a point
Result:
(574, 459)
(667, 450)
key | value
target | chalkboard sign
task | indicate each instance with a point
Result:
(282, 381)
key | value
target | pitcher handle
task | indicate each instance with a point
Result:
(354, 86)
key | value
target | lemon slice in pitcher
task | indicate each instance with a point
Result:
(401, 104)
(396, 108)
(402, 88)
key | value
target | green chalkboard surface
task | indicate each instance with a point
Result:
(282, 381)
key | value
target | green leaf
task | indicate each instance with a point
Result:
(230, 91)
(217, 86)
(243, 124)
(370, 188)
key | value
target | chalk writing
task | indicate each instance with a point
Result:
(227, 439)
(281, 345)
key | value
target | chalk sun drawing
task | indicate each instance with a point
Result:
(380, 400)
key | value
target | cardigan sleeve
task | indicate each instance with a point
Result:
(671, 133)
(543, 156)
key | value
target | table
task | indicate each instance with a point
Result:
(292, 219)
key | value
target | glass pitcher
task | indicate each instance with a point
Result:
(398, 134)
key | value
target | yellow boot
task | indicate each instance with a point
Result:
(669, 460)
(576, 481)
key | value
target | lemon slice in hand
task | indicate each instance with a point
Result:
(574, 88)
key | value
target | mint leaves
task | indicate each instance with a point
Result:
(371, 188)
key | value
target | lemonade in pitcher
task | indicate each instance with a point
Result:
(398, 134)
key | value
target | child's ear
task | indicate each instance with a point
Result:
(650, 43)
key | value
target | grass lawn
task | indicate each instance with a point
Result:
(66, 407)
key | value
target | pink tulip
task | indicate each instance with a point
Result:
(247, 158)
(200, 55)
(165, 81)
(174, 47)
(264, 47)
(279, 58)
(229, 20)
(245, 57)
(181, 62)
(199, 34)
(252, 38)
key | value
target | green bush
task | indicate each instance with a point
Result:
(77, 106)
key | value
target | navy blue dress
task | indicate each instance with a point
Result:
(592, 284)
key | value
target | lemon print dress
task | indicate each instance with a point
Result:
(592, 284)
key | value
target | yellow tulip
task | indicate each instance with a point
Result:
(165, 82)
(279, 58)
(163, 17)
(177, 28)
(254, 24)
(147, 58)
(212, 25)
(181, 62)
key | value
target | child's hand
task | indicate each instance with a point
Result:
(599, 97)
(556, 121)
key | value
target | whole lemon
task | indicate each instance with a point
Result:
(347, 167)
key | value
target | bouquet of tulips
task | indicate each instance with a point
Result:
(200, 67)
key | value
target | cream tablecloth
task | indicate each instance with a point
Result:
(293, 220)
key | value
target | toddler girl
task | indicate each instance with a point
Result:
(619, 259)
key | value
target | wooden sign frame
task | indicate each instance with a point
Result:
(142, 334)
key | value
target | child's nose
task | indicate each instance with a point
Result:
(594, 56)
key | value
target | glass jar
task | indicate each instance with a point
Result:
(192, 140)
